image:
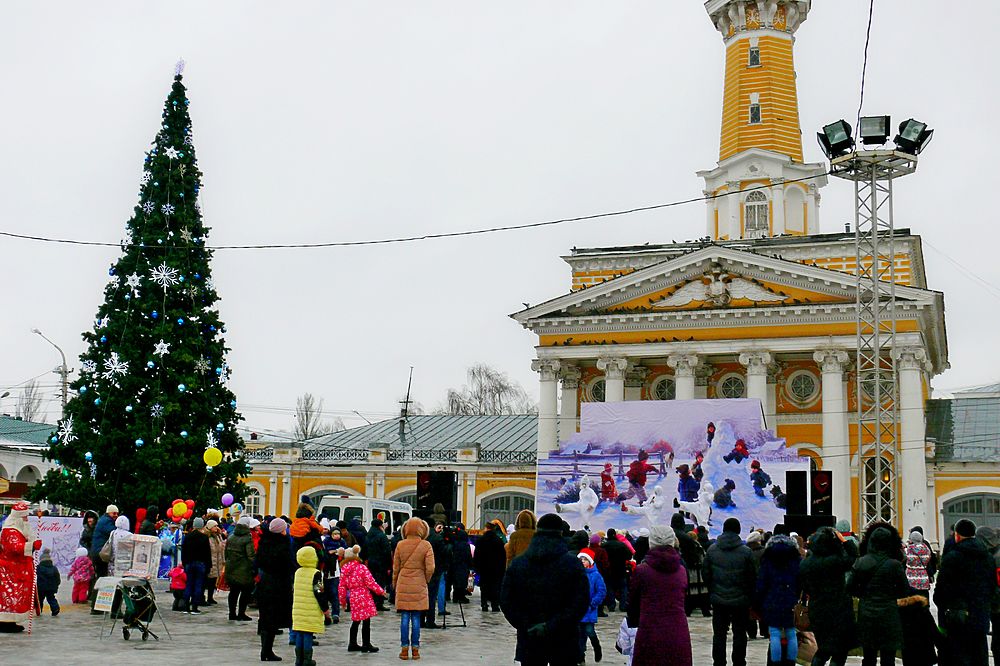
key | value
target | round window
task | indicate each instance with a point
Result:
(665, 389)
(732, 386)
(597, 391)
(802, 386)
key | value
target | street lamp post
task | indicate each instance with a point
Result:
(63, 370)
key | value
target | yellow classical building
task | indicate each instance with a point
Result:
(762, 307)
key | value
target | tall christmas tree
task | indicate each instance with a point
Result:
(152, 396)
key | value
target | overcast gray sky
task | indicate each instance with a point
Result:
(322, 121)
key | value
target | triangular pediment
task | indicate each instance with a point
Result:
(712, 278)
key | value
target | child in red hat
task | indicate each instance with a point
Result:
(608, 490)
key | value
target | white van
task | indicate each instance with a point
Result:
(348, 507)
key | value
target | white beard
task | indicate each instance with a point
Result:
(18, 522)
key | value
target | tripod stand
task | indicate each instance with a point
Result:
(444, 618)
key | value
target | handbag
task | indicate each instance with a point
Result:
(800, 613)
(105, 553)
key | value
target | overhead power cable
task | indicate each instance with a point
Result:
(864, 66)
(418, 237)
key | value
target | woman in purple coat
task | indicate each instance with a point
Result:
(656, 604)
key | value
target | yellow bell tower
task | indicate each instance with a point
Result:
(761, 142)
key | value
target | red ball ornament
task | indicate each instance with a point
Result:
(190, 503)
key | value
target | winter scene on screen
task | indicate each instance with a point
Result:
(635, 464)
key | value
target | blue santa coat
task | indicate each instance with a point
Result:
(597, 592)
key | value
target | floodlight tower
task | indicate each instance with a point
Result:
(873, 173)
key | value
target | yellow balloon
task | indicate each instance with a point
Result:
(212, 457)
(180, 509)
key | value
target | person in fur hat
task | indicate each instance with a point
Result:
(17, 568)
(357, 580)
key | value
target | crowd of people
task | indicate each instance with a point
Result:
(817, 598)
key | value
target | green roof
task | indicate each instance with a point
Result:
(24, 432)
(965, 429)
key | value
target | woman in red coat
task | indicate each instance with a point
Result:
(656, 604)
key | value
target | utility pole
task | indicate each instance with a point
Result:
(404, 412)
(63, 370)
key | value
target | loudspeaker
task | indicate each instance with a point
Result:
(437, 488)
(795, 493)
(822, 493)
(806, 525)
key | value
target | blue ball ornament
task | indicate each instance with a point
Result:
(104, 338)
(97, 401)
(232, 403)
(219, 427)
(180, 279)
(88, 456)
(83, 389)
(180, 321)
(181, 388)
(208, 468)
(197, 276)
(154, 314)
(53, 439)
(218, 371)
(128, 297)
(111, 271)
(56, 462)
(212, 328)
(184, 433)
(150, 365)
(128, 408)
(139, 442)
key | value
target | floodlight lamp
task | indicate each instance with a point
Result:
(874, 130)
(913, 137)
(836, 139)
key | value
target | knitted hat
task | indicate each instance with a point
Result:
(46, 555)
(916, 537)
(278, 526)
(81, 552)
(245, 520)
(843, 525)
(550, 521)
(683, 470)
(112, 509)
(755, 537)
(643, 532)
(732, 525)
(607, 467)
(324, 523)
(212, 524)
(661, 535)
(595, 539)
(587, 555)
(352, 553)
(253, 523)
(755, 464)
(965, 528)
(198, 523)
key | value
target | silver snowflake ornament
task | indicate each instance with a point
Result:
(102, 322)
(133, 281)
(88, 366)
(66, 431)
(189, 140)
(148, 207)
(186, 235)
(161, 348)
(167, 209)
(156, 411)
(171, 153)
(164, 275)
(202, 366)
(145, 178)
(114, 366)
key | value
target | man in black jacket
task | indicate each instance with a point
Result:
(618, 557)
(545, 593)
(965, 588)
(196, 553)
(731, 577)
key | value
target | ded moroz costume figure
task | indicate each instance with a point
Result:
(17, 569)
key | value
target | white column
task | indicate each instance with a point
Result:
(272, 495)
(812, 224)
(684, 366)
(756, 363)
(912, 442)
(614, 377)
(710, 208)
(570, 378)
(548, 385)
(778, 204)
(286, 495)
(734, 204)
(836, 447)
(635, 377)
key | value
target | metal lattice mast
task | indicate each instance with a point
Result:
(873, 173)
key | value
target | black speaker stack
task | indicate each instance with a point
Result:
(808, 501)
(435, 487)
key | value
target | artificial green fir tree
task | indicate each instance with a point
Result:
(152, 394)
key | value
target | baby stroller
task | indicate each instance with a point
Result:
(138, 608)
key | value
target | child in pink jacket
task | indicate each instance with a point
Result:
(358, 580)
(81, 572)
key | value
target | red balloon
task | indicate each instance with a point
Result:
(176, 501)
(170, 512)
(190, 512)
(190, 503)
(140, 515)
(176, 519)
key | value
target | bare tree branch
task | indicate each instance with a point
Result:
(29, 402)
(488, 392)
(309, 418)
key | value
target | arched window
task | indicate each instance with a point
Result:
(505, 507)
(252, 502)
(755, 213)
(597, 391)
(409, 498)
(665, 389)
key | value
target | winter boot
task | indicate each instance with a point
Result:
(298, 656)
(416, 653)
(267, 647)
(404, 653)
(307, 657)
(366, 637)
(598, 653)
(353, 645)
